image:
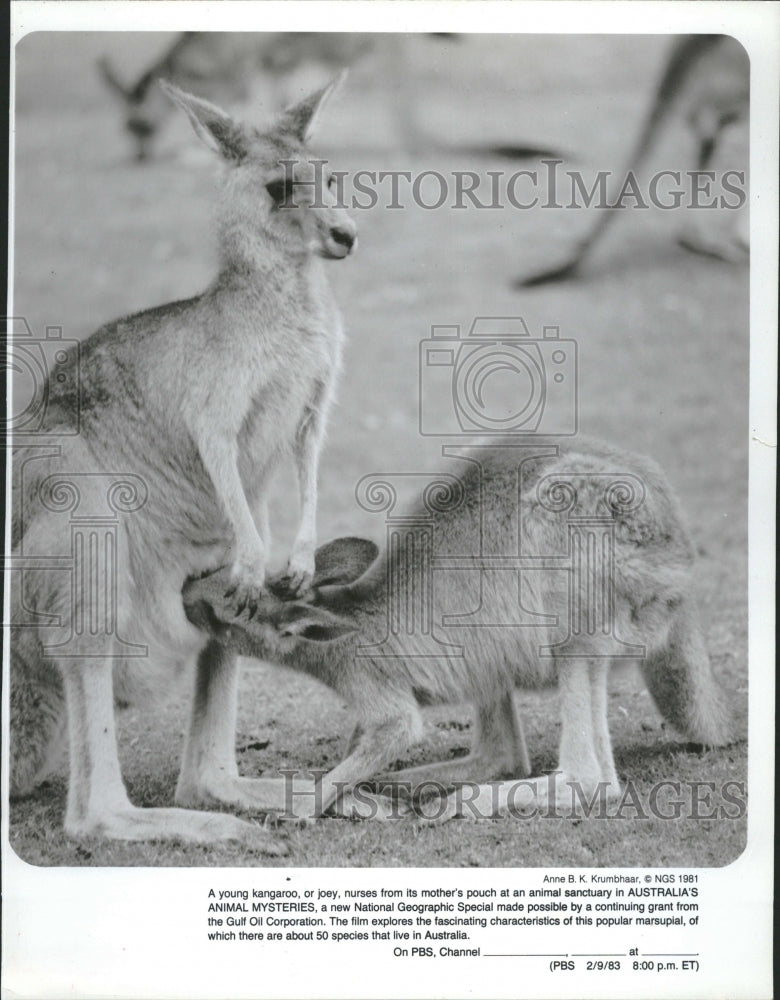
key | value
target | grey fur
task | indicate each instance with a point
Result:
(195, 402)
(654, 607)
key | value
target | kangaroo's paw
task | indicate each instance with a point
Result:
(300, 570)
(359, 804)
(247, 579)
(184, 825)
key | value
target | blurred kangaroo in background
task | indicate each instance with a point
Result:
(707, 78)
(345, 635)
(221, 66)
(197, 401)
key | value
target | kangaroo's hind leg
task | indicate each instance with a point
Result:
(499, 749)
(373, 744)
(585, 758)
(209, 772)
(585, 763)
(586, 766)
(97, 800)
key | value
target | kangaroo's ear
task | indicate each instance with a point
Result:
(312, 623)
(111, 80)
(301, 118)
(215, 127)
(342, 561)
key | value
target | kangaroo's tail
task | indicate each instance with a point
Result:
(680, 680)
(38, 718)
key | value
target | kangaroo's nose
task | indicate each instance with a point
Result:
(343, 237)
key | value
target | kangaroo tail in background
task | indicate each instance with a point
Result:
(680, 680)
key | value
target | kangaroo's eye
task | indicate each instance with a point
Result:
(281, 190)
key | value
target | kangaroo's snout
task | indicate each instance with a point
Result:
(340, 240)
(343, 237)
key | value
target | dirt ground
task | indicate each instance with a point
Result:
(662, 340)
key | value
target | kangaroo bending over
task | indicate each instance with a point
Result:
(709, 75)
(510, 500)
(173, 421)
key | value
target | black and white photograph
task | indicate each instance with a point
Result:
(390, 432)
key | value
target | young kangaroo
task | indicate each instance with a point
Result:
(551, 505)
(187, 408)
(709, 77)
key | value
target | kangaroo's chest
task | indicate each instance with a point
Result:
(294, 384)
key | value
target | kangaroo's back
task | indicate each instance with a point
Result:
(507, 505)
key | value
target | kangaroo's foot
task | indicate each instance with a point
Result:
(558, 793)
(567, 793)
(425, 777)
(283, 798)
(131, 823)
(297, 800)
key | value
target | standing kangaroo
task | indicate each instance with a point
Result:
(345, 635)
(709, 76)
(193, 404)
